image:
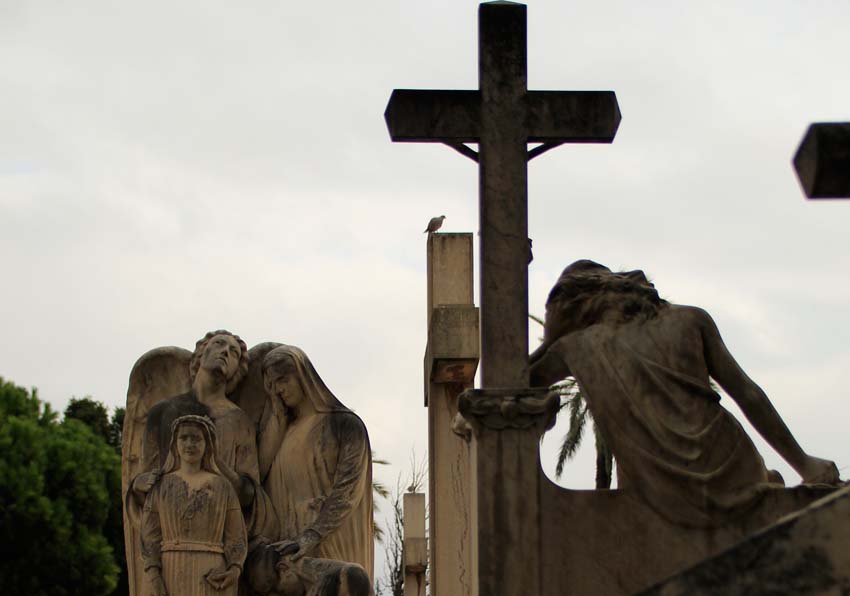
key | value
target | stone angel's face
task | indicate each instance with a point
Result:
(284, 383)
(222, 354)
(190, 443)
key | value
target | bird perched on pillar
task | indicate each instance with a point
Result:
(434, 224)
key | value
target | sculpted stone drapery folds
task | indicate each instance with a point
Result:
(217, 381)
(644, 366)
(315, 461)
(193, 539)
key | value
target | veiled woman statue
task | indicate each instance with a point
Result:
(315, 461)
(644, 365)
(194, 540)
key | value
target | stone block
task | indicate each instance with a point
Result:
(807, 552)
(449, 270)
(453, 350)
(823, 161)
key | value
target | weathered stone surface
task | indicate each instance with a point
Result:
(452, 352)
(822, 161)
(806, 553)
(300, 422)
(451, 358)
(690, 482)
(600, 543)
(415, 544)
(645, 368)
(201, 553)
(449, 263)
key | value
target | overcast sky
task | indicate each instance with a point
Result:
(167, 168)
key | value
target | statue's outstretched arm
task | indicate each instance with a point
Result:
(757, 407)
(548, 366)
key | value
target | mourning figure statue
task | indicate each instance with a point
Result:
(644, 365)
(315, 461)
(193, 534)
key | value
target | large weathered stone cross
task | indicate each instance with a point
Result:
(503, 117)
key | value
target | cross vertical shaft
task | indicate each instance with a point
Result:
(503, 195)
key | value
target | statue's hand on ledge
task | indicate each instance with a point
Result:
(819, 471)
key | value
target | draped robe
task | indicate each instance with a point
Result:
(648, 389)
(321, 480)
(317, 470)
(188, 533)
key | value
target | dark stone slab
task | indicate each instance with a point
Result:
(823, 161)
(806, 553)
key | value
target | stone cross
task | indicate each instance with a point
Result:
(503, 117)
(823, 161)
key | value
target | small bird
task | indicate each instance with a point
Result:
(435, 224)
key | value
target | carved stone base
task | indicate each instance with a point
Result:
(510, 408)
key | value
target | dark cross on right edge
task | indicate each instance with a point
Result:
(503, 117)
(823, 161)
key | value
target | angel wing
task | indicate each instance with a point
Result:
(159, 374)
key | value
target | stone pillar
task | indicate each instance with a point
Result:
(451, 359)
(415, 544)
(508, 424)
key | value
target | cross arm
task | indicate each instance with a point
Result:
(435, 116)
(572, 116)
(823, 161)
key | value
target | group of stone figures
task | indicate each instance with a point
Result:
(243, 474)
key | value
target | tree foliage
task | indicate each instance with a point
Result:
(58, 483)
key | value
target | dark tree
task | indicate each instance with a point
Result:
(58, 482)
(91, 413)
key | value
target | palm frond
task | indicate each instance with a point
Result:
(575, 433)
(380, 489)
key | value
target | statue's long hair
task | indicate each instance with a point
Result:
(586, 290)
(201, 346)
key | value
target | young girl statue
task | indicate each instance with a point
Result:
(193, 534)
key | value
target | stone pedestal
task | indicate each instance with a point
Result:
(451, 359)
(507, 426)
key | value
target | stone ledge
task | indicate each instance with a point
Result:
(807, 552)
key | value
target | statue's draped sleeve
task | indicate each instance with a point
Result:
(350, 480)
(235, 533)
(151, 531)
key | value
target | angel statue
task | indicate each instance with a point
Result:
(194, 541)
(222, 380)
(644, 366)
(316, 465)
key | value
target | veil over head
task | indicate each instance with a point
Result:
(274, 420)
(311, 383)
(172, 461)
